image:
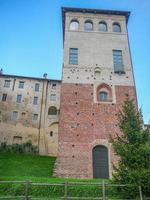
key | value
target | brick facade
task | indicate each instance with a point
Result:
(83, 125)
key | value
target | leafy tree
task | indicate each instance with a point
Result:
(133, 148)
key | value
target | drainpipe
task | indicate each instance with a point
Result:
(40, 117)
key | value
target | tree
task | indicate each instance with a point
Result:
(133, 148)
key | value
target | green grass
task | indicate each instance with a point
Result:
(20, 167)
(31, 167)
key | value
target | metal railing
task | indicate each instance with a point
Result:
(103, 188)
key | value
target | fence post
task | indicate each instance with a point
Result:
(103, 190)
(66, 190)
(140, 192)
(26, 190)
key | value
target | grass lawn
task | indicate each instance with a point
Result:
(20, 167)
(17, 167)
(30, 167)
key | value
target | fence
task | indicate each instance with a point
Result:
(28, 190)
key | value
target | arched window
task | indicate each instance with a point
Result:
(102, 26)
(116, 27)
(52, 110)
(74, 25)
(88, 26)
(104, 93)
(103, 96)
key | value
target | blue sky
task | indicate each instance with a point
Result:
(31, 38)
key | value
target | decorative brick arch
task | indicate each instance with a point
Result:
(104, 88)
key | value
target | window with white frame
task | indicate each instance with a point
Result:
(102, 26)
(74, 25)
(7, 83)
(35, 117)
(53, 97)
(73, 56)
(21, 84)
(35, 100)
(14, 115)
(118, 61)
(116, 27)
(4, 97)
(19, 97)
(88, 26)
(37, 86)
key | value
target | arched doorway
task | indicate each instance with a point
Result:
(100, 162)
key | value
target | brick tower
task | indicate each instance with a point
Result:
(97, 75)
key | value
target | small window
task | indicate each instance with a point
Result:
(104, 93)
(118, 61)
(116, 28)
(35, 117)
(103, 96)
(54, 86)
(52, 110)
(53, 97)
(51, 134)
(7, 83)
(17, 140)
(103, 26)
(19, 97)
(4, 97)
(37, 86)
(73, 56)
(23, 114)
(14, 115)
(21, 84)
(74, 25)
(35, 100)
(88, 26)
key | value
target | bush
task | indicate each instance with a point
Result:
(26, 148)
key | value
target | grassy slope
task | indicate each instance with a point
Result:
(28, 167)
(40, 169)
(17, 166)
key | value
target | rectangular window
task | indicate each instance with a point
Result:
(4, 97)
(7, 83)
(54, 86)
(19, 97)
(37, 86)
(35, 100)
(35, 117)
(14, 115)
(118, 61)
(73, 56)
(21, 84)
(53, 97)
(17, 140)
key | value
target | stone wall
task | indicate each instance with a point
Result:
(41, 131)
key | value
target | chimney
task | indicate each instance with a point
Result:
(1, 71)
(45, 75)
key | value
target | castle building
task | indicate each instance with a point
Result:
(29, 110)
(97, 76)
(74, 118)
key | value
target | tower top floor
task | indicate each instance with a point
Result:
(95, 13)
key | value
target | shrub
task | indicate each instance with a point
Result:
(26, 148)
